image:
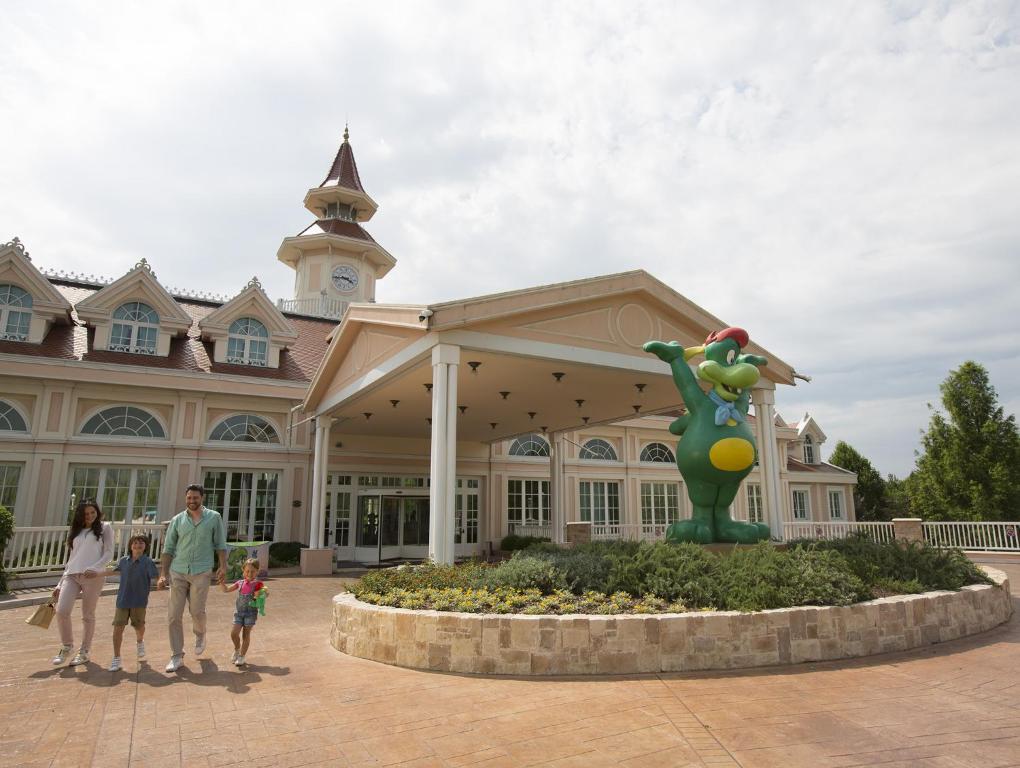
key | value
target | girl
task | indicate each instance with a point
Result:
(90, 542)
(245, 610)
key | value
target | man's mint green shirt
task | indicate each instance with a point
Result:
(194, 547)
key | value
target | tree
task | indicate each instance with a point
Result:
(969, 466)
(869, 495)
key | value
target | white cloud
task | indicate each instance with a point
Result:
(840, 178)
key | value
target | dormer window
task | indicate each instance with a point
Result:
(15, 313)
(135, 329)
(341, 211)
(247, 342)
(809, 450)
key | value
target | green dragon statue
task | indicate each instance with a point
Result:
(716, 450)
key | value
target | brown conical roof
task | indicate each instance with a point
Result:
(344, 171)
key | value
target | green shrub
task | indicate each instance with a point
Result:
(763, 577)
(685, 572)
(6, 534)
(512, 543)
(428, 575)
(285, 553)
(522, 572)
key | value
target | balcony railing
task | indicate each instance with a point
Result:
(37, 550)
(320, 306)
(629, 531)
(840, 530)
(988, 537)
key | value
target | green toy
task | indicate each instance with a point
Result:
(717, 447)
(259, 601)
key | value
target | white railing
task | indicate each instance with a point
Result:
(808, 529)
(629, 531)
(320, 306)
(43, 549)
(538, 531)
(990, 537)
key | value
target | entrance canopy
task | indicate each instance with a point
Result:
(526, 359)
(546, 359)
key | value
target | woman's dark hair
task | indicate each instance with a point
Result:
(78, 521)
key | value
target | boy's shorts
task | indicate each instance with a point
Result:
(246, 618)
(136, 615)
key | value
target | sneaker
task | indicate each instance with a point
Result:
(199, 644)
(235, 656)
(239, 661)
(115, 664)
(141, 649)
(82, 657)
(175, 663)
(61, 657)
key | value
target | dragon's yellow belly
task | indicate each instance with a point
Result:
(731, 454)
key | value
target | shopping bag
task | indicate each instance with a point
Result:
(42, 616)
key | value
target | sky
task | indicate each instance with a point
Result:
(841, 178)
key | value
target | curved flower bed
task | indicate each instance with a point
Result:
(665, 642)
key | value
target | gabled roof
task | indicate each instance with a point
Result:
(344, 171)
(139, 284)
(16, 265)
(188, 354)
(252, 300)
(808, 425)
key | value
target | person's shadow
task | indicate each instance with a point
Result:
(236, 680)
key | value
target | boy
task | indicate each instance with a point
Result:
(136, 575)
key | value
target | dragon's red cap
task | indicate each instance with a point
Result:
(739, 335)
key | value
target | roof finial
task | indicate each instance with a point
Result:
(347, 134)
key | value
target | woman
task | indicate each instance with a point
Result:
(91, 547)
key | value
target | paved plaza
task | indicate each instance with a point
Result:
(300, 703)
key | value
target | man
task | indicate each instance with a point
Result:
(194, 539)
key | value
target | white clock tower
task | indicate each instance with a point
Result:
(337, 262)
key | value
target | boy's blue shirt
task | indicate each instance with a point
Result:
(135, 581)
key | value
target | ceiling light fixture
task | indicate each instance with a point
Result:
(367, 416)
(394, 403)
(428, 387)
(558, 375)
(637, 408)
(474, 365)
(504, 395)
(493, 424)
(532, 414)
(462, 408)
(579, 402)
(640, 388)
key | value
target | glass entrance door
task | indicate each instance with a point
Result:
(247, 501)
(391, 527)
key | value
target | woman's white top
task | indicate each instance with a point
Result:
(89, 553)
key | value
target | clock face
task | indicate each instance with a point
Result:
(345, 278)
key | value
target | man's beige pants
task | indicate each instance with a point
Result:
(193, 589)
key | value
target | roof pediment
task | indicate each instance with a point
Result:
(615, 313)
(808, 426)
(17, 268)
(250, 302)
(139, 284)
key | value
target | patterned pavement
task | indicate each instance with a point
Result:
(301, 703)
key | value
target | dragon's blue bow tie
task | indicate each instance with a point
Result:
(724, 410)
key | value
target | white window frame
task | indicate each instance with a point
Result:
(837, 493)
(248, 342)
(261, 422)
(7, 310)
(659, 446)
(594, 446)
(97, 436)
(598, 489)
(807, 504)
(14, 408)
(247, 502)
(468, 499)
(524, 440)
(755, 505)
(134, 326)
(11, 473)
(131, 515)
(660, 502)
(540, 492)
(809, 450)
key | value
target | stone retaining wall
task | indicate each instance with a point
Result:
(583, 645)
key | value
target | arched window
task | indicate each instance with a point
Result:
(245, 428)
(135, 329)
(124, 421)
(809, 450)
(598, 449)
(657, 453)
(10, 419)
(15, 313)
(529, 445)
(247, 342)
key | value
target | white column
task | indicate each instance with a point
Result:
(557, 491)
(323, 480)
(768, 457)
(316, 499)
(443, 469)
